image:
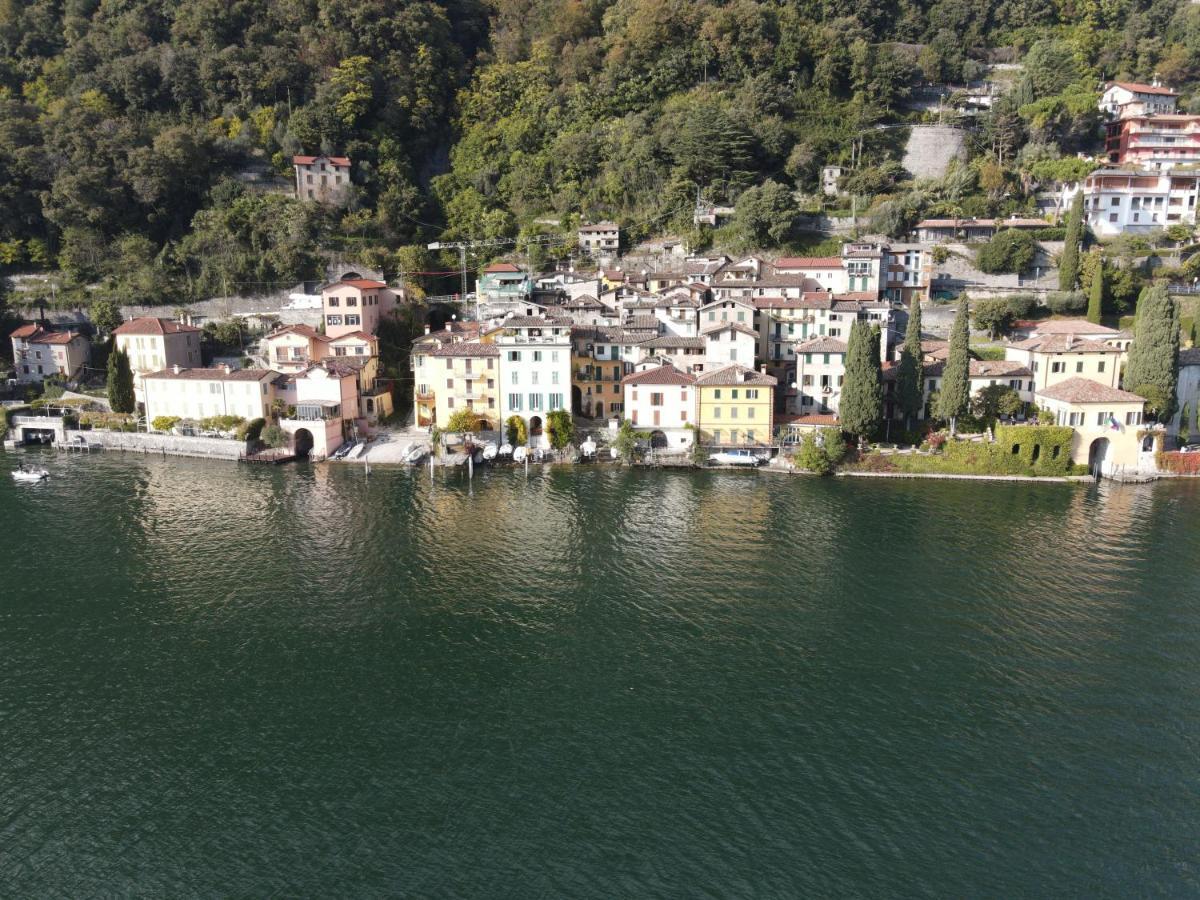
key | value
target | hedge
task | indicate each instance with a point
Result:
(1044, 448)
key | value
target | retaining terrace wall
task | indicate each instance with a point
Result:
(169, 444)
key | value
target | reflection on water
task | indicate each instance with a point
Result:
(600, 682)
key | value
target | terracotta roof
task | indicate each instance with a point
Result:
(863, 297)
(306, 331)
(672, 341)
(466, 348)
(35, 334)
(533, 322)
(1064, 343)
(1084, 390)
(778, 303)
(998, 368)
(814, 419)
(150, 325)
(646, 322)
(661, 375)
(25, 331)
(1068, 326)
(1139, 88)
(821, 345)
(363, 284)
(358, 335)
(736, 326)
(213, 374)
(733, 374)
(808, 262)
(498, 268)
(309, 160)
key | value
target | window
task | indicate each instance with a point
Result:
(514, 356)
(450, 403)
(1079, 366)
(556, 401)
(1102, 418)
(334, 301)
(751, 393)
(1100, 366)
(333, 320)
(515, 378)
(1057, 367)
(733, 395)
(750, 436)
(716, 436)
(716, 412)
(535, 402)
(537, 355)
(733, 412)
(352, 301)
(514, 402)
(533, 377)
(1133, 418)
(1075, 419)
(450, 384)
(554, 377)
(717, 394)
(1112, 217)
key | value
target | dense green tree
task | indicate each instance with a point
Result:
(1068, 265)
(954, 394)
(105, 315)
(860, 407)
(1010, 250)
(120, 382)
(1154, 354)
(560, 428)
(1096, 296)
(910, 373)
(764, 216)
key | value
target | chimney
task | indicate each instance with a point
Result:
(448, 324)
(225, 366)
(427, 328)
(175, 368)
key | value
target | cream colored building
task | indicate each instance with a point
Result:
(465, 376)
(662, 401)
(1055, 358)
(200, 393)
(39, 353)
(293, 348)
(154, 344)
(1110, 436)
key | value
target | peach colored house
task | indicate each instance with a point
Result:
(321, 405)
(294, 348)
(154, 344)
(355, 305)
(39, 353)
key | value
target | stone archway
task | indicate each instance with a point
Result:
(1098, 455)
(535, 426)
(658, 440)
(302, 443)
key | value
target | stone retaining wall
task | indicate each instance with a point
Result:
(168, 444)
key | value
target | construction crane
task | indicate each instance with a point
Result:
(463, 246)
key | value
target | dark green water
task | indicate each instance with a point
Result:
(217, 680)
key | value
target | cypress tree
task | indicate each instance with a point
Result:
(1096, 295)
(1068, 265)
(120, 382)
(910, 378)
(954, 397)
(862, 389)
(1154, 355)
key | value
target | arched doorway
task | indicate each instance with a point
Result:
(535, 427)
(302, 443)
(658, 440)
(576, 400)
(599, 409)
(1098, 455)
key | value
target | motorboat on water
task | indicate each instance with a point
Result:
(340, 452)
(30, 474)
(356, 451)
(519, 454)
(489, 452)
(415, 455)
(736, 458)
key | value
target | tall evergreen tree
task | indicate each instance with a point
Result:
(1068, 265)
(954, 396)
(1154, 356)
(1096, 295)
(910, 376)
(860, 407)
(120, 382)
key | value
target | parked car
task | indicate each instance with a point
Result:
(736, 458)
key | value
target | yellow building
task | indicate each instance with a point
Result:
(1056, 358)
(1109, 433)
(735, 407)
(460, 375)
(424, 367)
(156, 344)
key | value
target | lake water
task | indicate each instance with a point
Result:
(298, 681)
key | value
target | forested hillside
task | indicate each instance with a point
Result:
(122, 123)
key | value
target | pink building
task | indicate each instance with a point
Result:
(355, 305)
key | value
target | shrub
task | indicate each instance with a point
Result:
(1009, 250)
(1066, 302)
(560, 427)
(516, 432)
(164, 423)
(812, 456)
(221, 423)
(252, 430)
(463, 421)
(274, 436)
(936, 441)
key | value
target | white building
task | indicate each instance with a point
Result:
(1116, 201)
(820, 371)
(325, 179)
(602, 238)
(39, 353)
(202, 393)
(535, 371)
(830, 176)
(729, 342)
(1121, 98)
(662, 400)
(156, 344)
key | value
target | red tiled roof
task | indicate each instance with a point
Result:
(213, 374)
(466, 348)
(821, 345)
(1066, 326)
(1139, 88)
(360, 335)
(496, 268)
(1064, 343)
(661, 375)
(808, 262)
(35, 334)
(25, 331)
(309, 160)
(151, 325)
(733, 374)
(736, 326)
(363, 284)
(1084, 390)
(814, 419)
(306, 331)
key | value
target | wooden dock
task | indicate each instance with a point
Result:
(272, 457)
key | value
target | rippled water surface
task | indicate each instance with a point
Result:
(220, 680)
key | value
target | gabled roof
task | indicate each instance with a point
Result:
(1064, 343)
(808, 262)
(998, 368)
(309, 160)
(305, 331)
(145, 325)
(821, 345)
(1070, 326)
(533, 322)
(354, 335)
(215, 374)
(502, 268)
(466, 348)
(733, 326)
(1084, 390)
(674, 342)
(661, 375)
(734, 374)
(35, 334)
(1139, 88)
(363, 284)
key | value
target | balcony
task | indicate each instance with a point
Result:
(316, 411)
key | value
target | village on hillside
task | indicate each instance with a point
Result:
(929, 354)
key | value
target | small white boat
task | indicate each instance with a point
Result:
(26, 473)
(588, 447)
(736, 458)
(505, 450)
(415, 455)
(489, 452)
(519, 454)
(613, 452)
(356, 451)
